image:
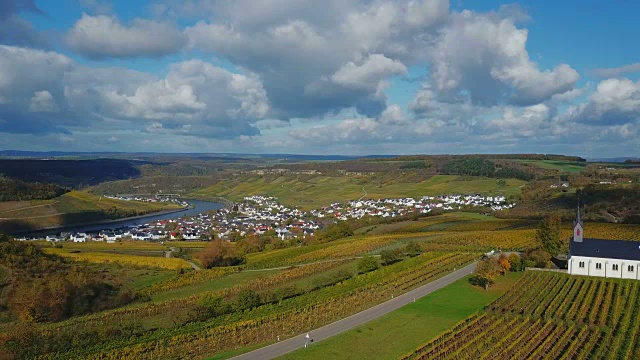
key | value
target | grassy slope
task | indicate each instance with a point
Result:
(73, 207)
(317, 191)
(564, 166)
(403, 330)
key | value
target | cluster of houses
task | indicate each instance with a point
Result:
(403, 206)
(155, 199)
(257, 215)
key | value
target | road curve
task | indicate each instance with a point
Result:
(327, 331)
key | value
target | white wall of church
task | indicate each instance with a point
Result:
(605, 268)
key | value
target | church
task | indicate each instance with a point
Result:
(605, 258)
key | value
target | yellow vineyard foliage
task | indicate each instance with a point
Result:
(144, 261)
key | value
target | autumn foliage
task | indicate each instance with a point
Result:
(220, 253)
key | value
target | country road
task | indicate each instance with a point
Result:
(327, 331)
(167, 254)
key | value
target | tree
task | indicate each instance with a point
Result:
(486, 272)
(515, 262)
(539, 257)
(505, 265)
(220, 253)
(367, 264)
(549, 234)
(247, 299)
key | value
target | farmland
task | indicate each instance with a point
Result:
(181, 313)
(427, 317)
(548, 316)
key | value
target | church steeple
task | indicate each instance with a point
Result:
(578, 226)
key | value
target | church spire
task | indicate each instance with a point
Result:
(578, 226)
(578, 219)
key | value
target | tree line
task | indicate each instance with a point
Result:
(18, 190)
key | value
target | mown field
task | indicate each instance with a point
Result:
(181, 313)
(71, 208)
(563, 166)
(548, 316)
(312, 192)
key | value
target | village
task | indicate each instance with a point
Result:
(257, 215)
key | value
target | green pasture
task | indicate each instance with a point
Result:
(563, 166)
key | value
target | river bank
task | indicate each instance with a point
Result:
(196, 207)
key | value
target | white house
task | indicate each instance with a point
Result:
(605, 258)
(80, 237)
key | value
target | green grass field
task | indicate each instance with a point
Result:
(312, 192)
(71, 208)
(401, 331)
(564, 166)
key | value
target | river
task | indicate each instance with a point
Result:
(197, 207)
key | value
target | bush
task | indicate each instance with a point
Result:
(247, 300)
(515, 262)
(336, 231)
(215, 306)
(331, 279)
(391, 256)
(413, 249)
(367, 264)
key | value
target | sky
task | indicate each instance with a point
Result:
(348, 77)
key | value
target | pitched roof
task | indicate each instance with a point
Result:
(612, 249)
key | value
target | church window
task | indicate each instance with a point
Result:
(581, 264)
(598, 266)
(615, 267)
(630, 268)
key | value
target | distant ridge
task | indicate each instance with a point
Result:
(55, 154)
(614, 160)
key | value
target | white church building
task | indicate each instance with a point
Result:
(605, 258)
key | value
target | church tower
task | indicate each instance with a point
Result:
(578, 227)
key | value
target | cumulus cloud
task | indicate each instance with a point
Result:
(369, 74)
(45, 91)
(315, 57)
(393, 114)
(104, 36)
(42, 101)
(485, 56)
(614, 102)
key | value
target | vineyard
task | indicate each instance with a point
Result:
(193, 338)
(132, 260)
(548, 316)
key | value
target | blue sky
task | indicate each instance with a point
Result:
(339, 77)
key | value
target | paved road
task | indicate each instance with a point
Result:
(294, 343)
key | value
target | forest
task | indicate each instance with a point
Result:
(18, 190)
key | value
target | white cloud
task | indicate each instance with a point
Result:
(614, 102)
(485, 56)
(368, 74)
(393, 114)
(195, 98)
(104, 36)
(42, 101)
